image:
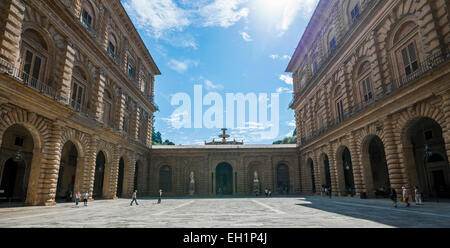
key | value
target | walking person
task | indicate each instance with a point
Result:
(393, 197)
(160, 195)
(85, 198)
(134, 198)
(418, 195)
(329, 192)
(325, 191)
(405, 195)
(77, 198)
(266, 191)
(270, 192)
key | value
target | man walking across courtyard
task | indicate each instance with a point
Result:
(85, 199)
(160, 195)
(134, 198)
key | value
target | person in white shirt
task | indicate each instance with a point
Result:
(405, 195)
(418, 195)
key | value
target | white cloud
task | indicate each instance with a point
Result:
(280, 57)
(287, 79)
(291, 123)
(182, 66)
(161, 18)
(174, 119)
(210, 86)
(157, 16)
(223, 13)
(282, 90)
(246, 36)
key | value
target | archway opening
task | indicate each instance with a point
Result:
(120, 177)
(326, 166)
(283, 182)
(313, 179)
(16, 154)
(379, 168)
(224, 179)
(67, 172)
(136, 176)
(348, 171)
(99, 175)
(165, 178)
(428, 166)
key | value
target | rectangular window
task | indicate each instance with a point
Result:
(131, 71)
(106, 112)
(111, 49)
(332, 45)
(87, 19)
(409, 58)
(77, 96)
(340, 110)
(355, 12)
(367, 89)
(32, 67)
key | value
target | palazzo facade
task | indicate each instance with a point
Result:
(372, 97)
(225, 169)
(76, 101)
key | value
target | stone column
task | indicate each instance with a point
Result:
(76, 8)
(89, 170)
(130, 176)
(375, 65)
(429, 26)
(65, 81)
(135, 118)
(149, 126)
(11, 20)
(397, 176)
(335, 188)
(120, 109)
(113, 174)
(49, 167)
(99, 89)
(104, 29)
(357, 166)
(317, 173)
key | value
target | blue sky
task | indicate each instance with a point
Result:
(227, 46)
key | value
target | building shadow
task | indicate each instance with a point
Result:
(431, 215)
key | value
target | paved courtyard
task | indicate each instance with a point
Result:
(236, 212)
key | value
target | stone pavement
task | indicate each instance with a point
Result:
(231, 212)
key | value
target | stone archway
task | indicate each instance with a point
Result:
(17, 155)
(345, 169)
(283, 179)
(310, 164)
(67, 172)
(99, 175)
(120, 177)
(326, 174)
(224, 179)
(425, 157)
(376, 173)
(165, 178)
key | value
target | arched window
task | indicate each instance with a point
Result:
(131, 66)
(79, 82)
(87, 15)
(331, 41)
(354, 10)
(405, 49)
(34, 55)
(365, 83)
(112, 45)
(107, 107)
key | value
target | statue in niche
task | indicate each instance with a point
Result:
(191, 183)
(255, 183)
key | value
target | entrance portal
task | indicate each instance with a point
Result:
(67, 172)
(425, 153)
(224, 179)
(120, 178)
(99, 175)
(17, 154)
(283, 182)
(348, 172)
